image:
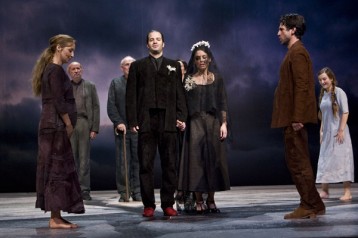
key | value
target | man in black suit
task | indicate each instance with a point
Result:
(156, 106)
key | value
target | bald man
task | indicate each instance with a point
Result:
(87, 126)
(116, 110)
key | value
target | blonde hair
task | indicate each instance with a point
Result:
(45, 58)
(331, 76)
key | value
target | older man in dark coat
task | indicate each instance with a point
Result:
(156, 106)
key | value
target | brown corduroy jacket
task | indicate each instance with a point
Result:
(295, 99)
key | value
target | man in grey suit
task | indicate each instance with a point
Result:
(87, 126)
(116, 110)
(156, 107)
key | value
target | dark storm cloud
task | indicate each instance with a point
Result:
(243, 36)
(19, 122)
(18, 145)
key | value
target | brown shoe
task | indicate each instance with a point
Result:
(301, 213)
(321, 212)
(320, 209)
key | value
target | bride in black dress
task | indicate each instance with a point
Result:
(203, 167)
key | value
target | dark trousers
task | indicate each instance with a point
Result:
(299, 164)
(148, 142)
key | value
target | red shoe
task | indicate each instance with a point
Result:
(148, 212)
(169, 211)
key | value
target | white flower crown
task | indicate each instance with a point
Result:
(200, 43)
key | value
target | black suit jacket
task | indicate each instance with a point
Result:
(150, 89)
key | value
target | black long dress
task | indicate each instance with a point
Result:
(203, 167)
(57, 184)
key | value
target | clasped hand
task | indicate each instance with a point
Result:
(181, 125)
(121, 128)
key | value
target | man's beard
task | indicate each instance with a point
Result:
(155, 52)
(284, 42)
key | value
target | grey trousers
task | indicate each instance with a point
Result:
(132, 163)
(80, 142)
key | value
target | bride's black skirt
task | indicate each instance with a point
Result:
(203, 165)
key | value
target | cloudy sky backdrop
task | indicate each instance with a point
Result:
(243, 38)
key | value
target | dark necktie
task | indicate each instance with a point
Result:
(156, 64)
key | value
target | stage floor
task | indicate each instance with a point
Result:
(255, 211)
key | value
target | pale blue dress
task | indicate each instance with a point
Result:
(335, 163)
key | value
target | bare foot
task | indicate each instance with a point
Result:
(60, 223)
(345, 198)
(324, 195)
(74, 225)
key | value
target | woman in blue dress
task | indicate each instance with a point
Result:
(335, 163)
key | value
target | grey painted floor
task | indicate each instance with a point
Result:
(245, 212)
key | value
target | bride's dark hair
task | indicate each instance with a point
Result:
(206, 48)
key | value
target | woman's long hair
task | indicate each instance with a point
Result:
(330, 75)
(45, 58)
(191, 66)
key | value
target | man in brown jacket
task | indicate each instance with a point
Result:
(294, 106)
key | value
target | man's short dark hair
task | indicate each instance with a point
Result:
(155, 31)
(294, 20)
